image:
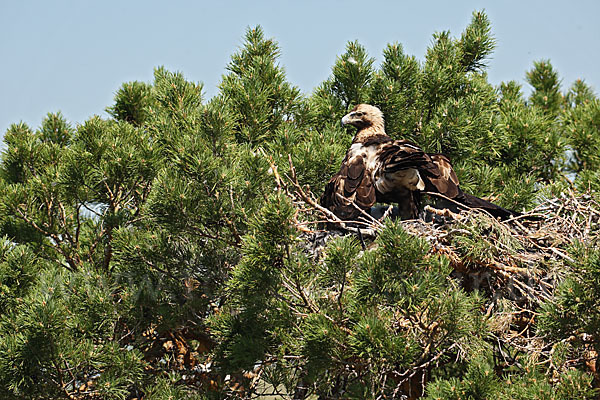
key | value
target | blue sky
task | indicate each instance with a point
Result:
(73, 55)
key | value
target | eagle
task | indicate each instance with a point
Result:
(379, 169)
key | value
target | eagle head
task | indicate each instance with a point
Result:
(364, 116)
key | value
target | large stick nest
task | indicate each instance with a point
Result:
(517, 264)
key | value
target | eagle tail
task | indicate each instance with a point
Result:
(493, 209)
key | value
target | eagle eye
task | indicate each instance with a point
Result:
(358, 114)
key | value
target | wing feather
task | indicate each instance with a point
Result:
(441, 176)
(435, 169)
(401, 155)
(351, 184)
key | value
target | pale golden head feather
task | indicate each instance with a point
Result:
(367, 119)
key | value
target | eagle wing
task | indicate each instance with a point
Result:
(401, 155)
(435, 170)
(440, 177)
(352, 184)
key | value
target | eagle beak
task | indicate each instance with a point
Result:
(345, 120)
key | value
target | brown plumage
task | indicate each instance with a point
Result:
(379, 169)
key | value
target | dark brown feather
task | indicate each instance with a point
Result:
(377, 139)
(351, 184)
